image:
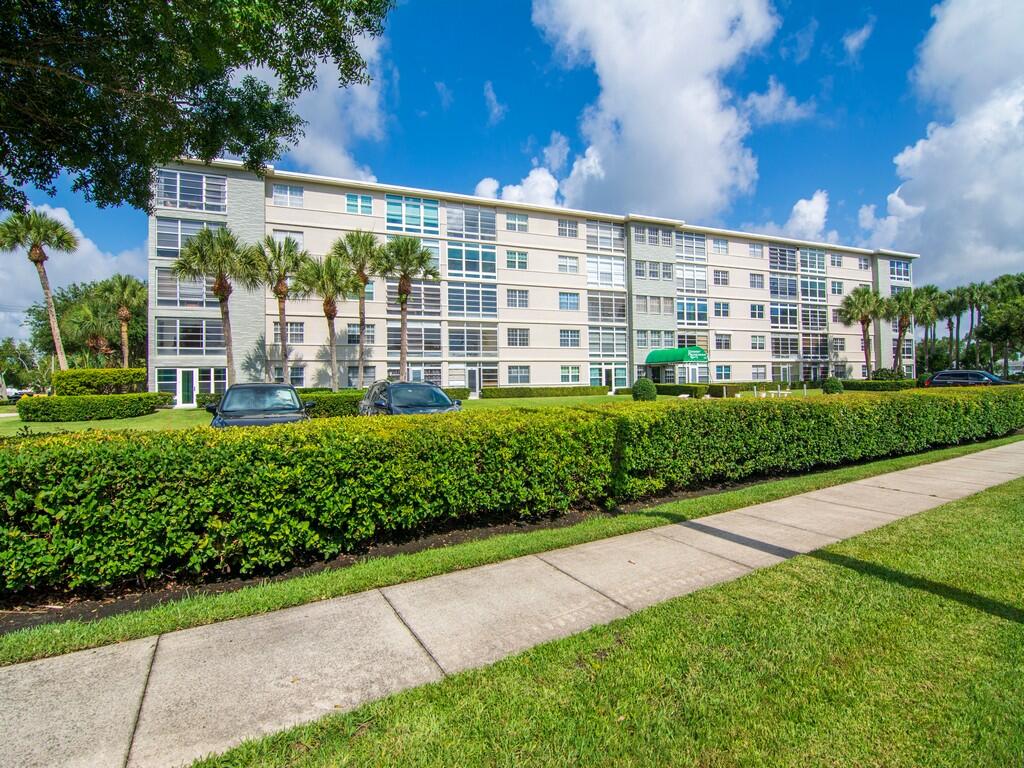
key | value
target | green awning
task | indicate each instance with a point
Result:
(679, 355)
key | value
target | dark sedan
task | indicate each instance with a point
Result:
(257, 405)
(963, 378)
(403, 397)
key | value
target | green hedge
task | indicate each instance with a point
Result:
(492, 392)
(96, 509)
(204, 399)
(90, 407)
(693, 390)
(457, 393)
(330, 404)
(98, 381)
(881, 385)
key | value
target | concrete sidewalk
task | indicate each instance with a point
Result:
(165, 701)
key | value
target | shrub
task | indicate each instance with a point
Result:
(98, 381)
(922, 378)
(644, 389)
(312, 390)
(884, 385)
(492, 392)
(693, 390)
(832, 386)
(732, 388)
(888, 374)
(329, 404)
(457, 393)
(90, 407)
(204, 399)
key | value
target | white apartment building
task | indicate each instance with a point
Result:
(529, 295)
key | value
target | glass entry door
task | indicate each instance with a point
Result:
(187, 388)
(473, 379)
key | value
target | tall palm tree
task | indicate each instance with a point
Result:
(973, 293)
(957, 306)
(332, 279)
(129, 295)
(89, 324)
(361, 253)
(278, 262)
(862, 306)
(35, 231)
(929, 303)
(218, 254)
(903, 308)
(405, 259)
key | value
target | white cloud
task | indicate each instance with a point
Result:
(855, 40)
(776, 106)
(556, 152)
(495, 109)
(540, 187)
(444, 94)
(19, 281)
(487, 187)
(807, 221)
(800, 44)
(960, 203)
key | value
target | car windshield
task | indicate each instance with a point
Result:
(260, 399)
(417, 396)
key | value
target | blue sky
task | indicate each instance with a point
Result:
(784, 116)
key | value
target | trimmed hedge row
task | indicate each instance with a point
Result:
(878, 385)
(693, 390)
(98, 381)
(90, 407)
(103, 508)
(492, 392)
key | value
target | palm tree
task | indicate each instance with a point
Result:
(35, 231)
(129, 295)
(862, 305)
(930, 300)
(956, 307)
(278, 263)
(901, 307)
(218, 254)
(974, 297)
(331, 279)
(361, 254)
(405, 259)
(89, 324)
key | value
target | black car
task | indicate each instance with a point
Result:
(964, 378)
(256, 405)
(397, 397)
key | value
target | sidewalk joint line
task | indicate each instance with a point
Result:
(580, 581)
(142, 700)
(412, 632)
(708, 551)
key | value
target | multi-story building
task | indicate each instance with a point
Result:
(528, 295)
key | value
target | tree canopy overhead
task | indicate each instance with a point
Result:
(108, 91)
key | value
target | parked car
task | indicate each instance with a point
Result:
(963, 378)
(254, 405)
(398, 397)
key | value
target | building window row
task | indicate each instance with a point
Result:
(655, 339)
(654, 305)
(188, 336)
(287, 195)
(174, 291)
(415, 215)
(606, 271)
(568, 228)
(473, 260)
(173, 234)
(654, 270)
(643, 235)
(471, 222)
(191, 191)
(296, 332)
(359, 204)
(606, 236)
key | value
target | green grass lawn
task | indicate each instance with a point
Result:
(57, 638)
(170, 418)
(8, 409)
(900, 647)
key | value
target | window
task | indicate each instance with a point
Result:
(424, 338)
(352, 372)
(361, 204)
(723, 372)
(517, 298)
(472, 260)
(835, 316)
(419, 372)
(692, 311)
(692, 340)
(899, 270)
(472, 300)
(193, 191)
(470, 222)
(639, 234)
(568, 300)
(812, 260)
(568, 228)
(640, 269)
(640, 304)
(606, 307)
(757, 311)
(812, 318)
(908, 346)
(812, 289)
(895, 290)
(369, 293)
(759, 373)
(691, 244)
(642, 339)
(782, 287)
(815, 345)
(281, 235)
(721, 277)
(607, 271)
(667, 271)
(723, 341)
(172, 234)
(863, 262)
(755, 250)
(783, 315)
(352, 334)
(189, 336)
(838, 344)
(863, 371)
(519, 374)
(781, 258)
(519, 337)
(569, 265)
(296, 332)
(412, 214)
(785, 346)
(693, 279)
(836, 259)
(606, 236)
(173, 291)
(757, 341)
(296, 375)
(515, 259)
(287, 195)
(568, 337)
(472, 340)
(606, 342)
(837, 287)
(720, 246)
(213, 380)
(569, 374)
(756, 280)
(517, 222)
(721, 309)
(425, 299)
(652, 235)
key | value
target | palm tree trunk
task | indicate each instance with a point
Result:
(927, 357)
(229, 354)
(991, 357)
(51, 312)
(949, 338)
(124, 344)
(867, 348)
(970, 334)
(331, 340)
(1006, 359)
(361, 355)
(284, 338)
(403, 356)
(957, 342)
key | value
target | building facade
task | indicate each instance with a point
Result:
(528, 296)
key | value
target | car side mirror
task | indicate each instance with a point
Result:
(308, 404)
(457, 402)
(211, 408)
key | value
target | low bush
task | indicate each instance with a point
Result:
(90, 407)
(693, 390)
(832, 386)
(644, 389)
(732, 388)
(330, 404)
(882, 385)
(493, 392)
(888, 374)
(204, 399)
(99, 381)
(457, 393)
(312, 390)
